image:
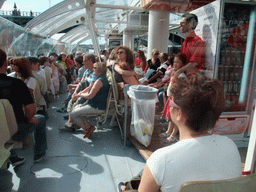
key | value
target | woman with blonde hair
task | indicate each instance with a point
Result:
(96, 94)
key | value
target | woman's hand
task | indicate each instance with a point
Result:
(75, 96)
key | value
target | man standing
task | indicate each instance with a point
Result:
(18, 94)
(192, 47)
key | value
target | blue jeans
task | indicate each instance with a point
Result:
(24, 129)
(150, 73)
(160, 95)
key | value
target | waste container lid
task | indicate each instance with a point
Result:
(143, 92)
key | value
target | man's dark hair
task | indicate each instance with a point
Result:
(103, 51)
(3, 57)
(192, 19)
(54, 54)
(43, 59)
(33, 60)
(79, 59)
(90, 57)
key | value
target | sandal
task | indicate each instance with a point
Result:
(119, 187)
(164, 134)
(69, 125)
(170, 140)
(89, 132)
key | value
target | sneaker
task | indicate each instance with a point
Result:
(15, 161)
(39, 157)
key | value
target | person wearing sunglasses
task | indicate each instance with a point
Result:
(123, 68)
(196, 104)
(154, 62)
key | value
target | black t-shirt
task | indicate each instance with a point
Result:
(17, 92)
(155, 66)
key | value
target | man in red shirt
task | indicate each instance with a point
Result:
(192, 47)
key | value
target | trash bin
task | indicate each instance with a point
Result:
(144, 99)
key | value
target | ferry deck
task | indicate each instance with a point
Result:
(73, 163)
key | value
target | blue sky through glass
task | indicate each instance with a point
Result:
(27, 5)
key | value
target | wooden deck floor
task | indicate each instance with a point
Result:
(157, 142)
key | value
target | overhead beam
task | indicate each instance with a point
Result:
(119, 7)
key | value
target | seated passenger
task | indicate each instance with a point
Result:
(111, 59)
(179, 61)
(88, 77)
(124, 67)
(65, 65)
(154, 62)
(140, 63)
(23, 71)
(196, 104)
(24, 109)
(96, 94)
(40, 77)
(72, 87)
(154, 76)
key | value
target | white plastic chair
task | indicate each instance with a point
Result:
(240, 184)
(8, 128)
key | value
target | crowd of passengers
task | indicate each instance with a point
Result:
(191, 102)
(83, 77)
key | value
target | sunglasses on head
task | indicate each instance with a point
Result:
(156, 54)
(172, 104)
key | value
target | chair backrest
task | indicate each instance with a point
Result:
(114, 86)
(8, 127)
(240, 184)
(115, 95)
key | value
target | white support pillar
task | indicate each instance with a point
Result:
(158, 31)
(128, 39)
(90, 10)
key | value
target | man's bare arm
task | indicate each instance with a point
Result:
(189, 66)
(30, 111)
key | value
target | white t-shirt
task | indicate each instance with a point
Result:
(47, 68)
(212, 157)
(42, 73)
(31, 83)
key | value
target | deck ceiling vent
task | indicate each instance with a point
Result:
(173, 5)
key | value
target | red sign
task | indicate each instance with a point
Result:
(173, 5)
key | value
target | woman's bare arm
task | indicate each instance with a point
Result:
(124, 72)
(148, 182)
(94, 90)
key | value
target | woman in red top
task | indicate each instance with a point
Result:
(140, 61)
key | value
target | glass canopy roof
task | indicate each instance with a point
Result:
(86, 18)
(82, 20)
